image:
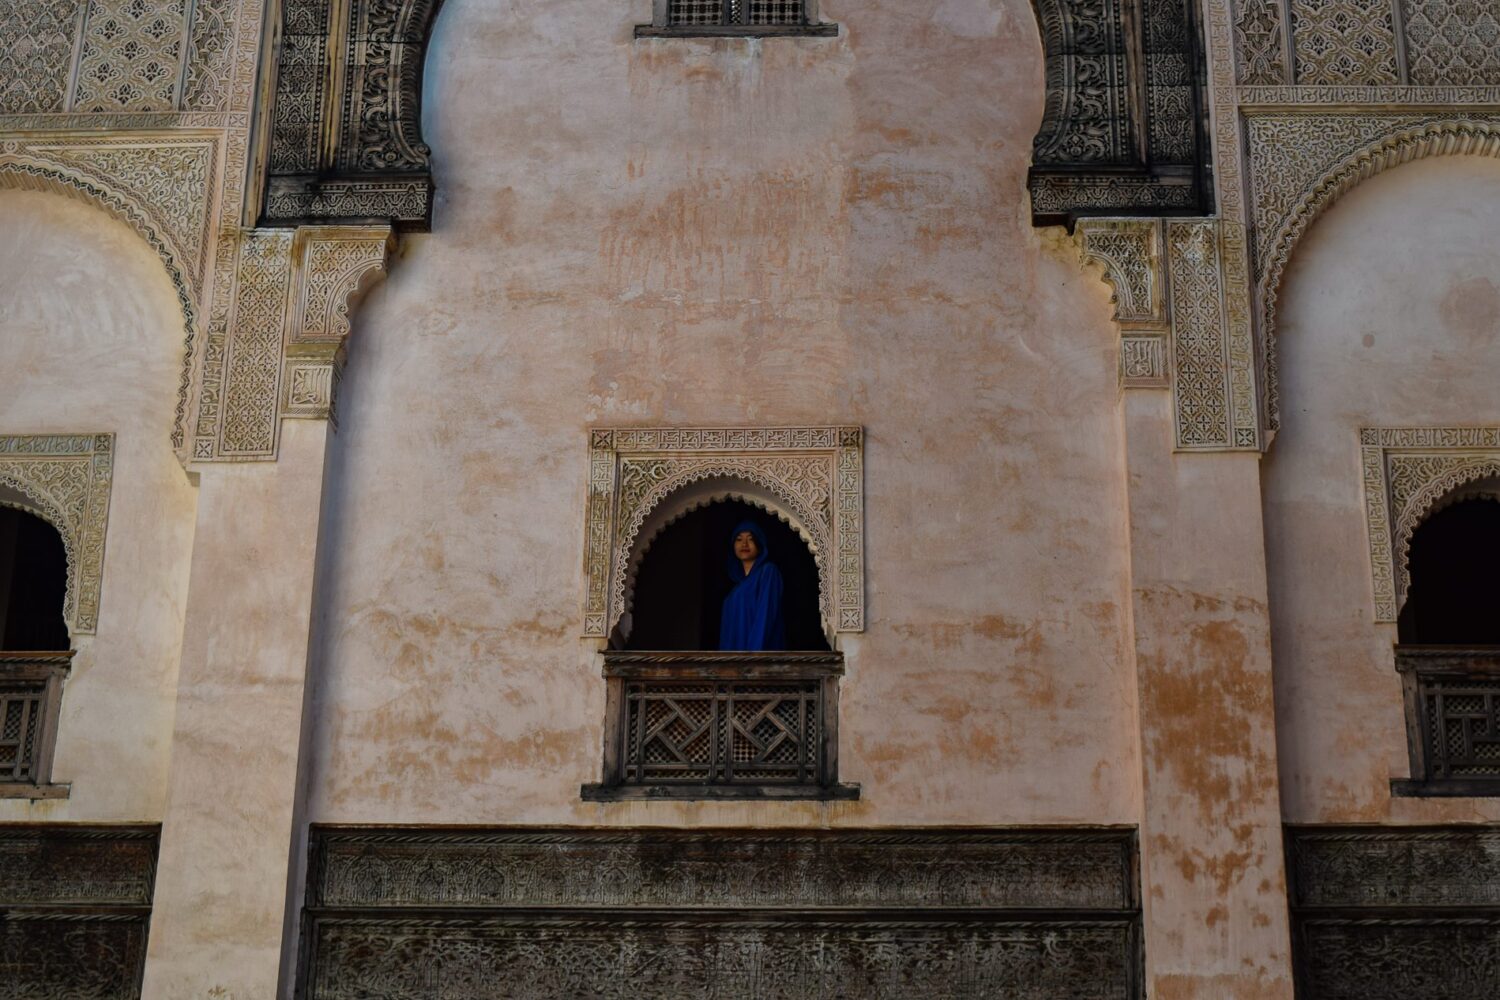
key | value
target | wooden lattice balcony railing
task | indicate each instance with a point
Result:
(721, 725)
(30, 698)
(1452, 696)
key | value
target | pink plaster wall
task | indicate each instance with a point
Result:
(90, 342)
(730, 232)
(1390, 317)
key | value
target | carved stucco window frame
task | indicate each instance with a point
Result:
(65, 479)
(1408, 473)
(641, 479)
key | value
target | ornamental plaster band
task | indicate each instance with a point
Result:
(1408, 473)
(643, 478)
(65, 480)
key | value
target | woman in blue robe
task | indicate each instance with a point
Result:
(752, 612)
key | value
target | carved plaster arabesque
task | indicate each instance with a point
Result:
(1130, 252)
(1407, 472)
(65, 479)
(813, 476)
(279, 351)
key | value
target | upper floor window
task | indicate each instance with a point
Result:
(1454, 559)
(692, 585)
(1449, 652)
(34, 654)
(734, 17)
(33, 583)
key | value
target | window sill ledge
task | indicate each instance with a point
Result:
(20, 790)
(637, 793)
(827, 30)
(1469, 788)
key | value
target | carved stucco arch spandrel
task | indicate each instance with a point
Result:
(27, 172)
(1451, 137)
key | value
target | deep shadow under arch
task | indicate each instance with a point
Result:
(33, 583)
(1454, 597)
(681, 584)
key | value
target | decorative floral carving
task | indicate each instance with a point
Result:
(1201, 382)
(1452, 41)
(205, 86)
(131, 56)
(65, 479)
(1407, 472)
(1259, 40)
(1343, 41)
(36, 53)
(814, 475)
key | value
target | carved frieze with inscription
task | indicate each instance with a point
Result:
(418, 914)
(75, 905)
(1391, 913)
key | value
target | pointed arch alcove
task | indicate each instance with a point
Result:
(805, 570)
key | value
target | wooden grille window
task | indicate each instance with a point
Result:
(721, 725)
(30, 698)
(735, 17)
(1452, 699)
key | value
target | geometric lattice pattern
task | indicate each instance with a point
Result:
(684, 12)
(1344, 42)
(723, 733)
(1453, 42)
(776, 12)
(22, 704)
(1463, 728)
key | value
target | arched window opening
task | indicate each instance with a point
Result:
(33, 583)
(1454, 560)
(682, 581)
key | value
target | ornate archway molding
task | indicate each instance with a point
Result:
(1408, 473)
(1287, 203)
(640, 478)
(65, 480)
(167, 206)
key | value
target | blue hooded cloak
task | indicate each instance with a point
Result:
(752, 612)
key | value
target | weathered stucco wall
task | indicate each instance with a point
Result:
(1390, 318)
(730, 232)
(91, 341)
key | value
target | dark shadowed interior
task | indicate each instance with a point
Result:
(682, 583)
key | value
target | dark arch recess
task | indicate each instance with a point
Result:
(33, 583)
(1454, 597)
(681, 584)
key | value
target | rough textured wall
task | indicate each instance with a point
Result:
(91, 341)
(730, 232)
(1391, 318)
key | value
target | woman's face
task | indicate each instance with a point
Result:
(744, 546)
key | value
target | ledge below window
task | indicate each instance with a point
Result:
(720, 725)
(21, 791)
(828, 30)
(1446, 788)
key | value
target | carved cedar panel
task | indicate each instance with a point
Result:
(75, 904)
(418, 914)
(1392, 913)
